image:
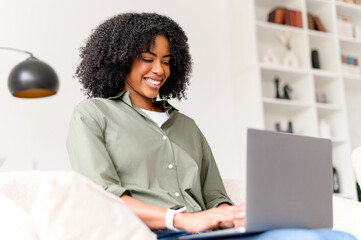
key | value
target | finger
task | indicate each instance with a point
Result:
(226, 224)
(239, 223)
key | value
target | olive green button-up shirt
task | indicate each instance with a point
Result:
(116, 145)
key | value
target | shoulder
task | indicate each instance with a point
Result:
(93, 106)
(187, 122)
(184, 117)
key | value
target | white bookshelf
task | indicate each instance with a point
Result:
(252, 37)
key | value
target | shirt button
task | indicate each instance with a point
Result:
(176, 194)
(164, 137)
(170, 166)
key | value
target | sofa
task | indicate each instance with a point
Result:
(37, 205)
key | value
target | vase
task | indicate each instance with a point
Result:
(270, 57)
(290, 59)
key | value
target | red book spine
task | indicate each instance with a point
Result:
(293, 18)
(319, 25)
(299, 19)
(271, 16)
(287, 17)
(279, 15)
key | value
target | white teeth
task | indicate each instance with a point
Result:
(154, 82)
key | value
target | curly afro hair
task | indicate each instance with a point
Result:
(108, 54)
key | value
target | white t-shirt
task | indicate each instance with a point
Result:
(158, 117)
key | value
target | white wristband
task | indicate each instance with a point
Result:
(169, 216)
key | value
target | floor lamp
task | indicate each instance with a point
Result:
(32, 78)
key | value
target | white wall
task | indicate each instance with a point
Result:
(33, 132)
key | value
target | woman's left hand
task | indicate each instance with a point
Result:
(235, 223)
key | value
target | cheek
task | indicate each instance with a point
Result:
(167, 71)
(140, 68)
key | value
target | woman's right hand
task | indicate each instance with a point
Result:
(230, 216)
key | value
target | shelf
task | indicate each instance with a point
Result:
(356, 77)
(325, 109)
(285, 106)
(279, 27)
(352, 11)
(319, 34)
(343, 195)
(337, 141)
(324, 73)
(321, 1)
(349, 40)
(280, 68)
(348, 6)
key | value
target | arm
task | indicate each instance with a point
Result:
(154, 216)
(87, 151)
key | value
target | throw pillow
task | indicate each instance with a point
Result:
(71, 207)
(14, 221)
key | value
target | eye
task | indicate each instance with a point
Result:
(166, 63)
(147, 60)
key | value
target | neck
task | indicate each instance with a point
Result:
(142, 102)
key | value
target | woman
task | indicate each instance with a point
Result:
(145, 151)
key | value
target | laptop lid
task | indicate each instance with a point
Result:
(288, 181)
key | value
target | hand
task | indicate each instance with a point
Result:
(222, 216)
(235, 223)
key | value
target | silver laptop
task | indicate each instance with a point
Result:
(288, 184)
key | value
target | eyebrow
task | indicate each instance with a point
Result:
(152, 53)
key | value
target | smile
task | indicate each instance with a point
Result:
(153, 82)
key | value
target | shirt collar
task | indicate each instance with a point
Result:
(124, 96)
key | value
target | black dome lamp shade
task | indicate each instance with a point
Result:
(32, 78)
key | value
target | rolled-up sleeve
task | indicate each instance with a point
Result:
(87, 150)
(213, 189)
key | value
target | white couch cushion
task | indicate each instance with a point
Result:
(14, 221)
(69, 207)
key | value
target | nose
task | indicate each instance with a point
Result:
(157, 68)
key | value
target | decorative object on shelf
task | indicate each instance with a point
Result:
(345, 27)
(315, 59)
(325, 130)
(286, 16)
(32, 78)
(314, 23)
(286, 92)
(289, 130)
(277, 86)
(321, 97)
(358, 192)
(336, 182)
(290, 58)
(350, 65)
(357, 32)
(270, 57)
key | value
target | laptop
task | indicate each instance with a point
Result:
(288, 184)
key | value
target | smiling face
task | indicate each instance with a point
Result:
(148, 73)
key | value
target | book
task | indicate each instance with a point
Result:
(311, 22)
(286, 16)
(287, 19)
(271, 16)
(318, 24)
(293, 18)
(277, 16)
(299, 19)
